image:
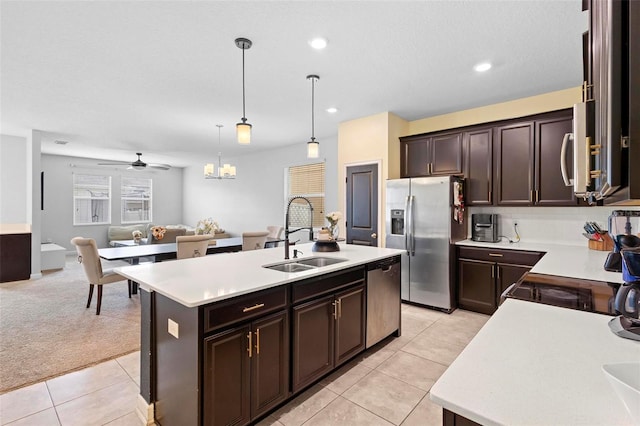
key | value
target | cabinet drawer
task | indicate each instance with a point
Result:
(517, 257)
(244, 307)
(314, 287)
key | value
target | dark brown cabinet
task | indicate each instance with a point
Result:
(514, 160)
(246, 371)
(433, 155)
(326, 333)
(15, 257)
(550, 189)
(484, 274)
(478, 166)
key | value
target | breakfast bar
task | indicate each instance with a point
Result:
(230, 337)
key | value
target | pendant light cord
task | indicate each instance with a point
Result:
(313, 83)
(244, 115)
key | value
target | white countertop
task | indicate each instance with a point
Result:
(534, 364)
(15, 228)
(561, 260)
(202, 280)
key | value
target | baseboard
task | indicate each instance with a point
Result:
(145, 411)
(35, 276)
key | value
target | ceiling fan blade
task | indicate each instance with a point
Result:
(159, 166)
(114, 163)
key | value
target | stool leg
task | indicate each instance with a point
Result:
(90, 295)
(130, 285)
(99, 299)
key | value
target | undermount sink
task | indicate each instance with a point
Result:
(289, 267)
(625, 379)
(298, 265)
(321, 261)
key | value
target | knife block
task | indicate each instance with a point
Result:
(605, 245)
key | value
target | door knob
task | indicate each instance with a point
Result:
(374, 235)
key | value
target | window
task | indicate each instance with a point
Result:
(136, 203)
(306, 181)
(91, 200)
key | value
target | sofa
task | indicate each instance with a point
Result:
(124, 232)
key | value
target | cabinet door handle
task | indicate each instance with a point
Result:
(493, 273)
(498, 271)
(249, 348)
(495, 255)
(537, 196)
(339, 308)
(257, 341)
(531, 196)
(251, 308)
(335, 309)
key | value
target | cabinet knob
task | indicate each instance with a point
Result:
(374, 235)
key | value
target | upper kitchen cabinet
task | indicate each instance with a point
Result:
(436, 154)
(550, 189)
(514, 160)
(527, 161)
(478, 167)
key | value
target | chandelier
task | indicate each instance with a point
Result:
(225, 171)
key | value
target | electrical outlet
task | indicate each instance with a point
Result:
(173, 328)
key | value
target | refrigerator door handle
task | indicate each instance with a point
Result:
(406, 229)
(412, 242)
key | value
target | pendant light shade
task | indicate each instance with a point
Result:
(225, 171)
(243, 129)
(313, 146)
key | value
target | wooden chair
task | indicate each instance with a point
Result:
(88, 256)
(192, 245)
(254, 240)
(274, 232)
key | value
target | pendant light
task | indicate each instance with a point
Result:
(243, 130)
(313, 146)
(225, 171)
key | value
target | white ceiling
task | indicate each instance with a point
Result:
(116, 77)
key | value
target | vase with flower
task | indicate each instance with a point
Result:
(137, 236)
(207, 227)
(333, 218)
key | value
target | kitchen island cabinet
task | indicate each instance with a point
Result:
(222, 348)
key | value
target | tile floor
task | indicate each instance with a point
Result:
(386, 385)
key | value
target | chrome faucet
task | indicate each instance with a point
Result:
(286, 225)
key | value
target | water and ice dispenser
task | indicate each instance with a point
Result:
(397, 222)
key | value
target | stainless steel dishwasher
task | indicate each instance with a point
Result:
(383, 299)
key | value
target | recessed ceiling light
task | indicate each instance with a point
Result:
(59, 142)
(332, 110)
(482, 67)
(318, 43)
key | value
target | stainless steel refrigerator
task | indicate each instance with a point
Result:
(425, 217)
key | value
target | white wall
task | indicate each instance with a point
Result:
(551, 224)
(57, 217)
(13, 179)
(255, 199)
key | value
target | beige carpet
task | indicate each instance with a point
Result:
(46, 331)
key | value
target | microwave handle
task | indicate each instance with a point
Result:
(563, 159)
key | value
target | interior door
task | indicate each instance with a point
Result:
(362, 205)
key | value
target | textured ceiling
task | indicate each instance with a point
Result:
(116, 77)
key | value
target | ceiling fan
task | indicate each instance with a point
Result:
(136, 165)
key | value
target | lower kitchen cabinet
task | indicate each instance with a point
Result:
(450, 418)
(326, 333)
(484, 274)
(246, 371)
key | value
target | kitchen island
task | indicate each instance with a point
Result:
(230, 339)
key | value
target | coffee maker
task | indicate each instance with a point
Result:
(627, 300)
